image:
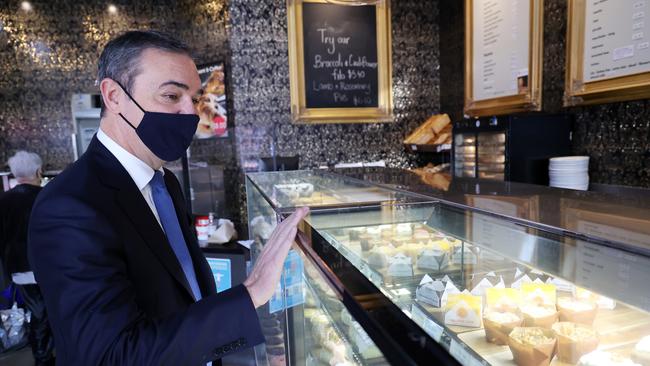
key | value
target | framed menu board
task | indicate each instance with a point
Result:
(339, 62)
(608, 51)
(503, 56)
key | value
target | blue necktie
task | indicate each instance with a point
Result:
(169, 221)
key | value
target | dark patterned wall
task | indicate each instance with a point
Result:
(616, 136)
(50, 52)
(260, 83)
(261, 88)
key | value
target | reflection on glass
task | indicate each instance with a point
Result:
(490, 290)
(491, 155)
(332, 336)
(318, 189)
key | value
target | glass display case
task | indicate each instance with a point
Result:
(310, 326)
(413, 281)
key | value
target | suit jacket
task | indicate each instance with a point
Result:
(114, 290)
(15, 209)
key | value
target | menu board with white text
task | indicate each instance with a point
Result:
(617, 39)
(500, 48)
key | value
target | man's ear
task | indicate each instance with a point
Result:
(111, 92)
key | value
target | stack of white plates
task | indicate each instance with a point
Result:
(569, 172)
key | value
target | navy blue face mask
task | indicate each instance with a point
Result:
(167, 135)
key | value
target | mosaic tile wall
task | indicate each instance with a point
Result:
(260, 75)
(260, 84)
(50, 52)
(616, 136)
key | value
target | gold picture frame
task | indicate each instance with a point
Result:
(576, 90)
(531, 99)
(300, 114)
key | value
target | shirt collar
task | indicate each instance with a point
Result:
(140, 172)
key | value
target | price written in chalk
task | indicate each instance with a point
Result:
(340, 58)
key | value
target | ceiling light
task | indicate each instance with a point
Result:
(26, 6)
(112, 9)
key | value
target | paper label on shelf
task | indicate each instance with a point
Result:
(463, 356)
(414, 147)
(429, 326)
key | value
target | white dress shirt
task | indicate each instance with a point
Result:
(140, 172)
(23, 278)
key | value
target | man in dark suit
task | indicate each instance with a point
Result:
(111, 243)
(15, 209)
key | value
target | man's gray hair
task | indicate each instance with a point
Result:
(24, 164)
(120, 59)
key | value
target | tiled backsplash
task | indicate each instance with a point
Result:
(616, 136)
(51, 52)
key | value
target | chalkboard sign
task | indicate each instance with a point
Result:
(340, 62)
(340, 45)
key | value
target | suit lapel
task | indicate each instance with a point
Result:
(201, 268)
(133, 204)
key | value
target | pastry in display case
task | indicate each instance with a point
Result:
(328, 334)
(286, 190)
(411, 281)
(332, 336)
(502, 311)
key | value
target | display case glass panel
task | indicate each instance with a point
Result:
(287, 190)
(496, 292)
(418, 277)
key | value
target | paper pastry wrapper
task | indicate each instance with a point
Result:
(497, 333)
(525, 355)
(542, 321)
(538, 293)
(641, 358)
(225, 232)
(582, 317)
(570, 351)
